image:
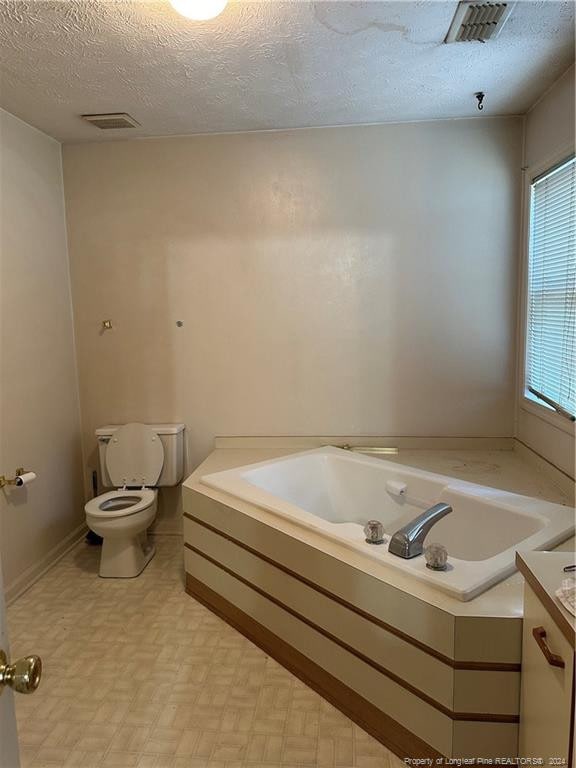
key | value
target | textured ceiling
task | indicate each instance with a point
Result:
(263, 65)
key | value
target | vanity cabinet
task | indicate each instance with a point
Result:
(547, 680)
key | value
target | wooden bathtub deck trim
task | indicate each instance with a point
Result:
(453, 663)
(453, 715)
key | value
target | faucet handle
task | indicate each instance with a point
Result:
(436, 556)
(374, 532)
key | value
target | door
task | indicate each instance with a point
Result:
(9, 757)
(20, 676)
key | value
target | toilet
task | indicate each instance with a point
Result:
(136, 459)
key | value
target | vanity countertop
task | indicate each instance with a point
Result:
(543, 572)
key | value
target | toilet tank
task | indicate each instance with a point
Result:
(172, 437)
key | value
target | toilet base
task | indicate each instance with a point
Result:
(125, 558)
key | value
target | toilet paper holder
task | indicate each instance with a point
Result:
(16, 480)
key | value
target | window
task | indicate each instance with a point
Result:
(551, 300)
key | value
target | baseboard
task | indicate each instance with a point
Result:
(36, 571)
(387, 731)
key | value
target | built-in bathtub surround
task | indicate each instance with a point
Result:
(335, 493)
(312, 282)
(425, 673)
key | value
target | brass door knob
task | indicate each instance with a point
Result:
(23, 676)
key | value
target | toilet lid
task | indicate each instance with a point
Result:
(134, 456)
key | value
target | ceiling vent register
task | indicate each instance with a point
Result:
(113, 120)
(478, 22)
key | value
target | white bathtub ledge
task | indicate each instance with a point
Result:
(504, 600)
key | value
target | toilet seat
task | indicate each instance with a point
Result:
(120, 503)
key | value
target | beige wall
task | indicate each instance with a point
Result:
(333, 281)
(40, 426)
(549, 136)
(549, 125)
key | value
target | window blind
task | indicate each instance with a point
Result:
(551, 331)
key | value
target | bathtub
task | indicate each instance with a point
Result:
(335, 492)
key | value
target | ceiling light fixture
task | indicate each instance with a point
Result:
(199, 10)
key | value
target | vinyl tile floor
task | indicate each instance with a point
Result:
(137, 674)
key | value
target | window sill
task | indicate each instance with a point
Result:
(546, 413)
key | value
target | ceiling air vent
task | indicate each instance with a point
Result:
(479, 22)
(113, 120)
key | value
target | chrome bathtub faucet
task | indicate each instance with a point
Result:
(409, 541)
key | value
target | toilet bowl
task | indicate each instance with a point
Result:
(122, 518)
(134, 459)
